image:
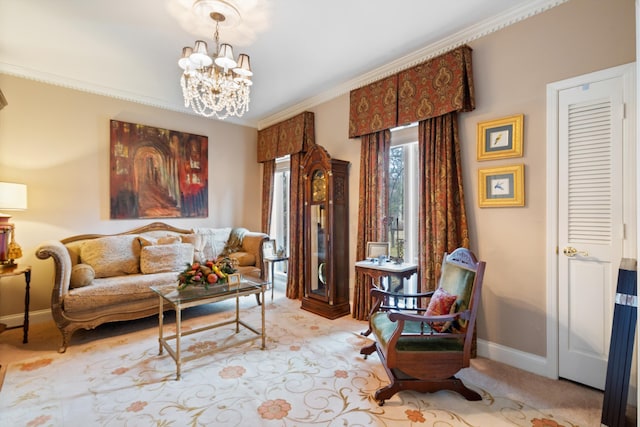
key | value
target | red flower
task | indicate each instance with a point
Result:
(37, 364)
(232, 372)
(136, 406)
(339, 373)
(38, 421)
(414, 415)
(274, 409)
(544, 422)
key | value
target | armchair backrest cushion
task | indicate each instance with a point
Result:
(457, 280)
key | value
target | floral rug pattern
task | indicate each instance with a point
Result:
(310, 374)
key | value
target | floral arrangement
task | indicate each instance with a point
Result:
(207, 273)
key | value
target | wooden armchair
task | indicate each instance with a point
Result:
(424, 339)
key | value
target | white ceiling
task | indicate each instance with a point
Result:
(302, 51)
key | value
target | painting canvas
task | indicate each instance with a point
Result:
(157, 173)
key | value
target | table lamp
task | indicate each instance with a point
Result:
(12, 197)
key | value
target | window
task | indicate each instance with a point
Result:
(280, 212)
(402, 219)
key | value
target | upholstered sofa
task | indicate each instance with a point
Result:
(105, 278)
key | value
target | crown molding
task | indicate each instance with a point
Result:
(491, 25)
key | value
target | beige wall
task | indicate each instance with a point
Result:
(56, 141)
(511, 70)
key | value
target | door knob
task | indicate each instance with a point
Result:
(571, 252)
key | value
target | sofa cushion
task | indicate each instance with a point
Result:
(81, 275)
(112, 256)
(213, 241)
(162, 258)
(197, 242)
(111, 291)
(243, 258)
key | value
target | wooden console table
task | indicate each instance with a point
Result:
(15, 270)
(386, 269)
(378, 271)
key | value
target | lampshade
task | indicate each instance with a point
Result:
(199, 57)
(13, 196)
(184, 60)
(244, 66)
(225, 57)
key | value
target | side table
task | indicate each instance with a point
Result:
(15, 270)
(272, 260)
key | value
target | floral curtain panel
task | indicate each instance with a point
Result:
(373, 206)
(295, 275)
(442, 218)
(268, 175)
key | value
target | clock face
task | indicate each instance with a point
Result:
(318, 186)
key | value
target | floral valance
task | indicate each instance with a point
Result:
(287, 137)
(439, 86)
(374, 107)
(431, 89)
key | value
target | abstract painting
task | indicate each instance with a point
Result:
(157, 173)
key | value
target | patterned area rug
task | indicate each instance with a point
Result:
(310, 374)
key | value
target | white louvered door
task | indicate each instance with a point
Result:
(590, 225)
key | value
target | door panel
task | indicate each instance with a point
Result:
(590, 224)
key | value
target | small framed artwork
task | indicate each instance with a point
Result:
(269, 248)
(501, 138)
(233, 280)
(376, 249)
(501, 186)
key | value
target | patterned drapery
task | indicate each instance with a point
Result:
(287, 137)
(268, 174)
(373, 206)
(442, 219)
(295, 274)
(438, 86)
(374, 107)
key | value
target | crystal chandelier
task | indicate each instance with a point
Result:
(215, 85)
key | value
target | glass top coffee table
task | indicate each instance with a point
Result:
(194, 296)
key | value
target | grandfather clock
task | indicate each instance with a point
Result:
(326, 234)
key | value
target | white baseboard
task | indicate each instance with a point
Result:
(516, 358)
(531, 363)
(39, 316)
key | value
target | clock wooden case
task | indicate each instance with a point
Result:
(326, 236)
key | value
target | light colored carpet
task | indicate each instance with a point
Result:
(310, 374)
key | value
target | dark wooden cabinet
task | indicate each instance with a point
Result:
(326, 238)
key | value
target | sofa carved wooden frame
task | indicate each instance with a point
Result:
(60, 252)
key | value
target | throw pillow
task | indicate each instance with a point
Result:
(81, 275)
(198, 245)
(243, 258)
(147, 241)
(169, 240)
(234, 244)
(112, 256)
(163, 258)
(442, 302)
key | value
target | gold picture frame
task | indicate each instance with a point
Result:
(500, 138)
(501, 186)
(233, 280)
